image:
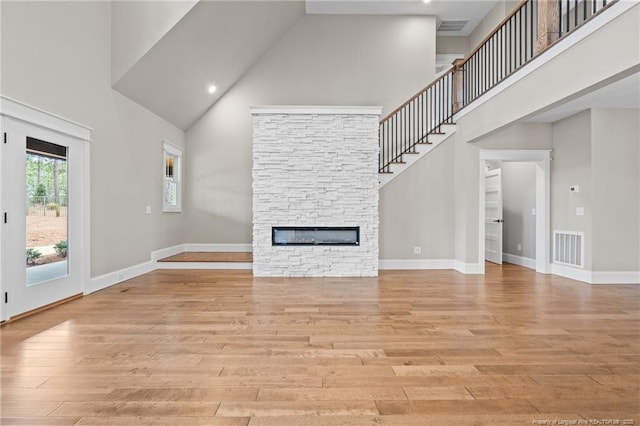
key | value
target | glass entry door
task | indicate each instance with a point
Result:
(43, 191)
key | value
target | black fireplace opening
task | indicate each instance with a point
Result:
(315, 236)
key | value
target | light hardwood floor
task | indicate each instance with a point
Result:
(210, 347)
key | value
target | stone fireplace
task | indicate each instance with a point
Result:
(315, 191)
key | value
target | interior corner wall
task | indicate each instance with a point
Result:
(137, 25)
(452, 45)
(56, 56)
(321, 60)
(519, 198)
(501, 9)
(615, 157)
(571, 165)
(417, 208)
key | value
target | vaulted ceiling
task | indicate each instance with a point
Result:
(217, 42)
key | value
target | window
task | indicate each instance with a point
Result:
(172, 182)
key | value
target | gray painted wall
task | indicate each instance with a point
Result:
(417, 209)
(322, 60)
(63, 65)
(571, 165)
(615, 148)
(519, 198)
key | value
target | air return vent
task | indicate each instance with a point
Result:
(568, 248)
(452, 26)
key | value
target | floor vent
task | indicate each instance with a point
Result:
(568, 248)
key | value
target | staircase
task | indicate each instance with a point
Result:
(428, 118)
(416, 127)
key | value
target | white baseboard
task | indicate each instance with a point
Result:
(115, 277)
(196, 247)
(415, 264)
(597, 277)
(112, 278)
(204, 265)
(615, 277)
(424, 264)
(469, 268)
(527, 262)
(166, 252)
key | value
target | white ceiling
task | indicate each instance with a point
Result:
(445, 10)
(218, 41)
(214, 44)
(624, 93)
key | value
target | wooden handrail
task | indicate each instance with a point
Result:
(414, 97)
(470, 77)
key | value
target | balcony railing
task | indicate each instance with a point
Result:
(532, 27)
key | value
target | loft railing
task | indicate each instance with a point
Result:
(531, 28)
(411, 123)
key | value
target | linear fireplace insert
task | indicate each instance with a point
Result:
(315, 235)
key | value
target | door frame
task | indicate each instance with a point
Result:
(493, 173)
(542, 160)
(11, 109)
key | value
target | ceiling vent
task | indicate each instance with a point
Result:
(452, 26)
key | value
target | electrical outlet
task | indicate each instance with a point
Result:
(148, 209)
(417, 250)
(533, 211)
(519, 247)
(579, 211)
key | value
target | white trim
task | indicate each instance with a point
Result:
(112, 278)
(426, 264)
(515, 154)
(415, 264)
(527, 262)
(561, 46)
(166, 252)
(172, 151)
(315, 109)
(616, 277)
(542, 159)
(234, 248)
(469, 268)
(44, 121)
(38, 117)
(205, 265)
(596, 277)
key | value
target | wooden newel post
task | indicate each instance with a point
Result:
(458, 85)
(548, 24)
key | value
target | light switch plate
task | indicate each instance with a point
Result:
(579, 211)
(148, 209)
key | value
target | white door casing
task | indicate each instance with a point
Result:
(542, 160)
(18, 122)
(493, 216)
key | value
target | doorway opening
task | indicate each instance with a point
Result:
(491, 209)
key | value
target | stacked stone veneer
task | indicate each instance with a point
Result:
(315, 166)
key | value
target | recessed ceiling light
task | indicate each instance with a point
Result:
(426, 1)
(212, 88)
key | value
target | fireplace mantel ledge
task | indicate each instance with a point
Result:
(313, 109)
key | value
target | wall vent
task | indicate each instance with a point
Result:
(568, 248)
(452, 26)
